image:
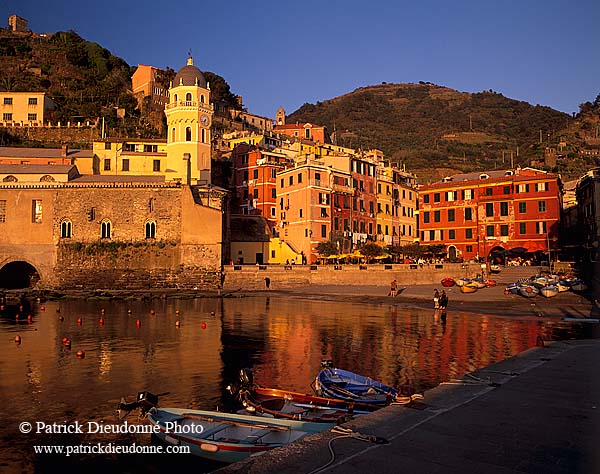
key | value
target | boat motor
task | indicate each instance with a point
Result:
(144, 401)
(246, 378)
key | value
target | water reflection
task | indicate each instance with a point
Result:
(138, 346)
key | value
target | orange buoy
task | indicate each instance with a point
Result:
(152, 311)
(212, 313)
(20, 308)
(65, 340)
(58, 310)
(29, 318)
(17, 317)
(60, 318)
(79, 321)
(128, 311)
(80, 354)
(177, 323)
(203, 325)
(43, 308)
(138, 323)
(101, 320)
(102, 310)
(176, 311)
(18, 339)
(1, 307)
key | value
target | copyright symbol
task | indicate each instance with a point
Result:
(25, 427)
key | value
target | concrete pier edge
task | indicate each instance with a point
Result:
(310, 454)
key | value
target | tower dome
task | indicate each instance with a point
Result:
(189, 75)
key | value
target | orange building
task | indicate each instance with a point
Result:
(145, 87)
(476, 214)
(254, 181)
(308, 131)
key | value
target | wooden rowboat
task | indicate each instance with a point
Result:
(227, 437)
(549, 291)
(447, 282)
(528, 291)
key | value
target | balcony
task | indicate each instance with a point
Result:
(340, 189)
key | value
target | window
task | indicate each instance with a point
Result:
(425, 198)
(8, 101)
(436, 216)
(150, 148)
(299, 212)
(489, 230)
(32, 101)
(255, 193)
(523, 188)
(291, 180)
(317, 178)
(467, 194)
(2, 210)
(155, 165)
(436, 197)
(188, 134)
(66, 229)
(107, 164)
(203, 134)
(323, 212)
(255, 174)
(522, 228)
(299, 178)
(523, 207)
(451, 215)
(273, 193)
(36, 211)
(469, 233)
(489, 209)
(441, 235)
(105, 230)
(426, 217)
(32, 117)
(541, 227)
(451, 234)
(432, 235)
(273, 173)
(150, 230)
(173, 135)
(504, 230)
(307, 133)
(188, 97)
(324, 231)
(506, 189)
(489, 191)
(125, 164)
(468, 214)
(450, 196)
(504, 209)
(282, 185)
(107, 145)
(541, 187)
(541, 206)
(469, 248)
(7, 117)
(273, 212)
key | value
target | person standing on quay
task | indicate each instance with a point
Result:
(436, 299)
(443, 301)
(393, 288)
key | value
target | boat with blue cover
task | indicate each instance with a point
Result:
(339, 383)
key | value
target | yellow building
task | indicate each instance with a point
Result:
(24, 108)
(189, 116)
(134, 157)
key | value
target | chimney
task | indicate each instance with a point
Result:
(64, 150)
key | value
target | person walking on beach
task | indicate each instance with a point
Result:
(393, 288)
(436, 299)
(443, 302)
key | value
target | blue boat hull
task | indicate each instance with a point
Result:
(338, 383)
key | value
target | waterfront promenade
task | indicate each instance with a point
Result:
(537, 412)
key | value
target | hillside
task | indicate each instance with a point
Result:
(437, 130)
(83, 78)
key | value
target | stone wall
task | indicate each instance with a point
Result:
(251, 277)
(55, 135)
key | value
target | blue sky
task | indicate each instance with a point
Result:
(273, 54)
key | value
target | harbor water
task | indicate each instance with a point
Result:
(189, 350)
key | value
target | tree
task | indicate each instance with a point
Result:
(326, 249)
(371, 251)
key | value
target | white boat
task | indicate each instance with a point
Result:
(549, 291)
(227, 437)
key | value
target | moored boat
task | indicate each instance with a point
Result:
(528, 291)
(489, 283)
(339, 383)
(461, 281)
(549, 291)
(562, 287)
(447, 282)
(227, 437)
(479, 282)
(470, 287)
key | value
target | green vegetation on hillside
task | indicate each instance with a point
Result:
(437, 130)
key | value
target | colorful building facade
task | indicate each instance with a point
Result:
(24, 108)
(476, 214)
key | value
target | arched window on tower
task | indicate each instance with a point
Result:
(66, 229)
(173, 135)
(202, 98)
(105, 230)
(188, 134)
(175, 99)
(203, 136)
(188, 97)
(150, 230)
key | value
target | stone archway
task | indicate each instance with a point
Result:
(17, 275)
